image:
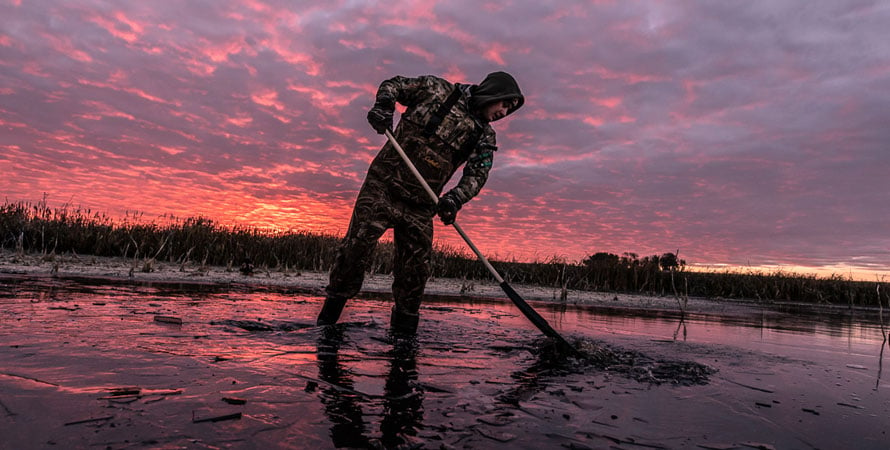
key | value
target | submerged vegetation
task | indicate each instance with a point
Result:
(26, 227)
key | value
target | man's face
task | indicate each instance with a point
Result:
(497, 110)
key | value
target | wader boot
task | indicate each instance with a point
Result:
(331, 310)
(403, 322)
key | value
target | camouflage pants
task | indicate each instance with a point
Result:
(375, 212)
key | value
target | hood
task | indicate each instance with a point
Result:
(495, 87)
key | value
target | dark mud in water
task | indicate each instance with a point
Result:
(550, 358)
(124, 366)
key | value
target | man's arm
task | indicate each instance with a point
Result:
(476, 170)
(407, 91)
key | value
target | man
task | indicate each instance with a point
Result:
(445, 126)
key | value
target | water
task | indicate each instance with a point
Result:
(478, 375)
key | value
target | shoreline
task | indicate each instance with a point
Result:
(142, 271)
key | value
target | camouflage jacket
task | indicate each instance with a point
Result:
(459, 139)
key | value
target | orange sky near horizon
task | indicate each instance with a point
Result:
(647, 127)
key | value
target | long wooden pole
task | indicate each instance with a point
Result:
(523, 306)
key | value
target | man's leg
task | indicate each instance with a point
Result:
(413, 245)
(369, 221)
(331, 310)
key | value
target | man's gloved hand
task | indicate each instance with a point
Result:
(380, 116)
(448, 208)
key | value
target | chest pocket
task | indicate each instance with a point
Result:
(435, 120)
(455, 131)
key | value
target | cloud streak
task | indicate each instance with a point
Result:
(741, 133)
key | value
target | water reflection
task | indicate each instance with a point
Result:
(342, 404)
(533, 379)
(881, 356)
(401, 402)
(884, 335)
(880, 365)
(681, 325)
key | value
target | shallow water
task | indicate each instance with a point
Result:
(478, 375)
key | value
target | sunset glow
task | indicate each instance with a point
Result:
(743, 134)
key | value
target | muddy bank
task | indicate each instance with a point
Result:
(93, 269)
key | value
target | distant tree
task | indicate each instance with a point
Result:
(670, 261)
(651, 261)
(601, 260)
(629, 259)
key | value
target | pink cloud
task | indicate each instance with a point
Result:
(456, 74)
(8, 124)
(627, 77)
(240, 121)
(355, 44)
(345, 132)
(417, 50)
(65, 46)
(220, 52)
(325, 100)
(258, 6)
(137, 27)
(267, 97)
(171, 150)
(593, 121)
(369, 88)
(121, 28)
(130, 90)
(99, 110)
(610, 102)
(494, 53)
(34, 69)
(305, 60)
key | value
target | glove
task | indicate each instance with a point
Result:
(448, 208)
(380, 116)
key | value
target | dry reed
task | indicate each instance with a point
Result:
(26, 227)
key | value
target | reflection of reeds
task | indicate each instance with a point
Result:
(201, 241)
(883, 333)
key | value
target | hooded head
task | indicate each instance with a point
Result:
(496, 87)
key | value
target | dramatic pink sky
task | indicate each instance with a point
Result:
(742, 133)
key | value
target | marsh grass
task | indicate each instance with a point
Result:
(37, 228)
